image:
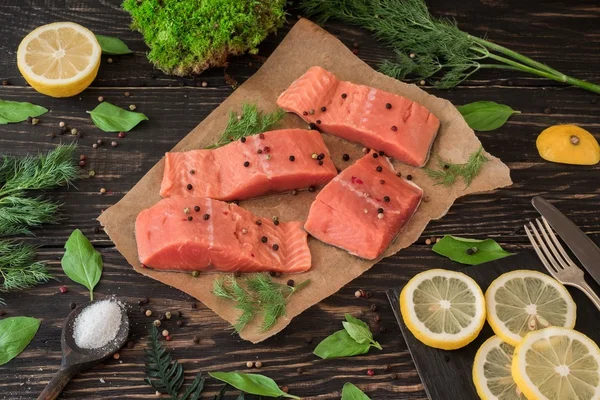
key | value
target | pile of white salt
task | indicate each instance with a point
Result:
(97, 325)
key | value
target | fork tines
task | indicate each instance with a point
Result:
(548, 248)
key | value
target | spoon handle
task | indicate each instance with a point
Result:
(58, 383)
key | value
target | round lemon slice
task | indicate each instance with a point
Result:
(492, 371)
(522, 301)
(557, 363)
(443, 309)
(59, 59)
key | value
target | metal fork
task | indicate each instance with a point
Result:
(555, 259)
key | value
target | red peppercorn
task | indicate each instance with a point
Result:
(121, 135)
(168, 338)
(394, 128)
(370, 372)
(63, 289)
(266, 149)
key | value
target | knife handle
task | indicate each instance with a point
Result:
(589, 292)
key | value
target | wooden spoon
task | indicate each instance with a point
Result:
(76, 359)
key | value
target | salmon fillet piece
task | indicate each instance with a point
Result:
(275, 161)
(374, 118)
(198, 234)
(363, 208)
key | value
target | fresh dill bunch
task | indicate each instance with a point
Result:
(448, 172)
(261, 296)
(18, 214)
(18, 268)
(250, 122)
(429, 48)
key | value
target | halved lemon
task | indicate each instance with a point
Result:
(59, 59)
(522, 301)
(558, 364)
(443, 309)
(492, 371)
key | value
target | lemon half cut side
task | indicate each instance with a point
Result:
(59, 59)
(443, 309)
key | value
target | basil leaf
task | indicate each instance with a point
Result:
(112, 45)
(486, 115)
(340, 344)
(111, 118)
(351, 392)
(252, 384)
(15, 335)
(357, 329)
(481, 251)
(15, 111)
(81, 262)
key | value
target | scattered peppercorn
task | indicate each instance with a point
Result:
(114, 143)
(180, 323)
(204, 84)
(368, 295)
(311, 189)
(299, 370)
(259, 151)
(35, 121)
(548, 110)
(100, 99)
(82, 163)
(308, 340)
(285, 389)
(370, 372)
(428, 241)
(381, 153)
(472, 250)
(358, 294)
(320, 162)
(386, 199)
(189, 186)
(380, 216)
(261, 135)
(196, 340)
(388, 106)
(148, 313)
(5, 83)
(293, 192)
(2, 313)
(275, 247)
(345, 157)
(192, 171)
(422, 83)
(102, 190)
(116, 356)
(318, 122)
(96, 230)
(382, 329)
(377, 318)
(258, 364)
(305, 113)
(323, 108)
(156, 323)
(311, 112)
(193, 306)
(72, 305)
(380, 210)
(258, 222)
(312, 126)
(292, 158)
(249, 364)
(95, 145)
(168, 338)
(99, 142)
(398, 174)
(373, 307)
(165, 333)
(290, 283)
(237, 274)
(73, 131)
(264, 239)
(394, 128)
(246, 164)
(190, 218)
(409, 177)
(379, 168)
(205, 217)
(375, 155)
(276, 222)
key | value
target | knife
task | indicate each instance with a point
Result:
(580, 244)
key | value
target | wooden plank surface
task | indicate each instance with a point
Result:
(565, 35)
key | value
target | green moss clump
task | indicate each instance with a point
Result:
(188, 36)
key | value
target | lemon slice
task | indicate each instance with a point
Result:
(59, 59)
(522, 301)
(557, 364)
(443, 309)
(492, 371)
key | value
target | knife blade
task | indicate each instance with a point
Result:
(580, 244)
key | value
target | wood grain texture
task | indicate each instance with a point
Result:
(565, 35)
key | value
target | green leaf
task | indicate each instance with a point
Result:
(486, 116)
(351, 392)
(81, 262)
(15, 111)
(252, 384)
(15, 335)
(112, 45)
(357, 329)
(111, 118)
(340, 344)
(469, 251)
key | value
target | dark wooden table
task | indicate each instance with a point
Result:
(565, 35)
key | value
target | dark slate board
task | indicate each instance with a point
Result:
(447, 374)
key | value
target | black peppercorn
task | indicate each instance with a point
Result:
(472, 250)
(196, 340)
(311, 188)
(272, 273)
(375, 155)
(305, 113)
(189, 186)
(323, 109)
(275, 247)
(409, 177)
(264, 239)
(382, 181)
(381, 153)
(320, 162)
(72, 305)
(246, 164)
(290, 283)
(373, 307)
(192, 171)
(386, 199)
(379, 210)
(259, 151)
(379, 168)
(237, 274)
(205, 217)
(276, 222)
(388, 106)
(96, 229)
(180, 323)
(446, 166)
(344, 95)
(190, 218)
(321, 156)
(258, 222)
(394, 128)
(243, 140)
(318, 122)
(345, 157)
(196, 208)
(292, 158)
(312, 126)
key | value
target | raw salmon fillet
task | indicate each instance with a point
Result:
(275, 161)
(363, 208)
(377, 119)
(197, 234)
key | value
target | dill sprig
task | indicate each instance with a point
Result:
(18, 268)
(250, 122)
(428, 48)
(260, 296)
(448, 172)
(165, 375)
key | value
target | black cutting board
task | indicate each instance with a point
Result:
(445, 374)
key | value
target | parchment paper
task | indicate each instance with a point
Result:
(307, 45)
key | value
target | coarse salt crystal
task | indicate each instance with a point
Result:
(97, 324)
